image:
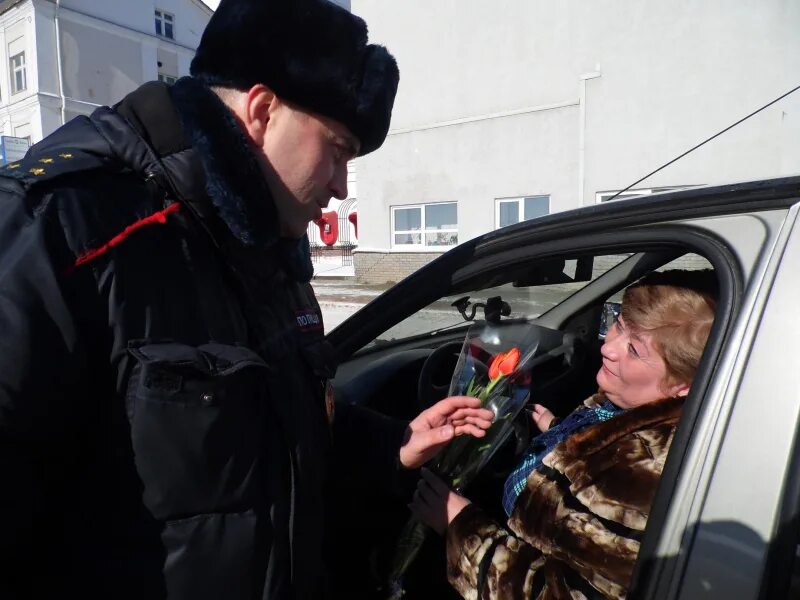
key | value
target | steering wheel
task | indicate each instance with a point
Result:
(436, 373)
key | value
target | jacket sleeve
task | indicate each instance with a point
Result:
(557, 545)
(369, 443)
(40, 359)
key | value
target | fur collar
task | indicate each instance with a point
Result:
(235, 182)
(605, 433)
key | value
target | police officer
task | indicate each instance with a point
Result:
(163, 429)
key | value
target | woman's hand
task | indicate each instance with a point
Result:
(435, 504)
(542, 417)
(434, 427)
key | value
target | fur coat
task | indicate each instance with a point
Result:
(577, 525)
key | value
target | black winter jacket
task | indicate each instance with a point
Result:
(162, 362)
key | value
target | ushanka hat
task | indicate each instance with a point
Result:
(310, 52)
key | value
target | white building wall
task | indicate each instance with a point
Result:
(655, 78)
(676, 73)
(108, 48)
(18, 111)
(99, 66)
(191, 16)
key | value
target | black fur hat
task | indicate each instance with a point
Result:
(311, 52)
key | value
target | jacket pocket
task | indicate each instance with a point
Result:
(198, 421)
(224, 559)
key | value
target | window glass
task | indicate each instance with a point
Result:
(606, 196)
(443, 238)
(536, 206)
(18, 76)
(689, 261)
(441, 216)
(509, 213)
(164, 24)
(439, 219)
(525, 302)
(408, 238)
(407, 219)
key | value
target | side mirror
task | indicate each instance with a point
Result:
(608, 317)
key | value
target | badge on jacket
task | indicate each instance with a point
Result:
(329, 401)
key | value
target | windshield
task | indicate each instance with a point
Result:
(524, 302)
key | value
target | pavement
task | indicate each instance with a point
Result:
(332, 267)
(338, 294)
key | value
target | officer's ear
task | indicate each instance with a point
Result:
(260, 103)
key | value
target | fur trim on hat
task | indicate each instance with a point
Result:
(311, 52)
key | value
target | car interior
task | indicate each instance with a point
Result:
(571, 296)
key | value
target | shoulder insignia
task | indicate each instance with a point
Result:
(36, 167)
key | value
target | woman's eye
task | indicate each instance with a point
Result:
(632, 351)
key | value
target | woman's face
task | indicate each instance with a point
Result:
(633, 371)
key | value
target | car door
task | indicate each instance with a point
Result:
(726, 530)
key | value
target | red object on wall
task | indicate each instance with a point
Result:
(328, 225)
(353, 218)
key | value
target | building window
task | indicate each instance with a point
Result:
(164, 24)
(606, 196)
(509, 211)
(19, 79)
(167, 78)
(425, 225)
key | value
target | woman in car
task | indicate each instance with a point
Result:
(579, 500)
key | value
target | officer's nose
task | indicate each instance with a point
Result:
(338, 185)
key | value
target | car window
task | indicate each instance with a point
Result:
(689, 262)
(524, 302)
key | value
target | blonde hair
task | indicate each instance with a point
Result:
(676, 308)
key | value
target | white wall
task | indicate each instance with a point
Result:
(18, 112)
(108, 47)
(190, 16)
(676, 73)
(671, 74)
(15, 23)
(99, 66)
(470, 163)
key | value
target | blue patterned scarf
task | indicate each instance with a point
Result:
(543, 444)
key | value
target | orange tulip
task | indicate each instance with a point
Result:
(504, 364)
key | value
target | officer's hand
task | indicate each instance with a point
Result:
(434, 427)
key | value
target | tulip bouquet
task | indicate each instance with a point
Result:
(495, 366)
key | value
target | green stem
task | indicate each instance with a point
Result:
(490, 387)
